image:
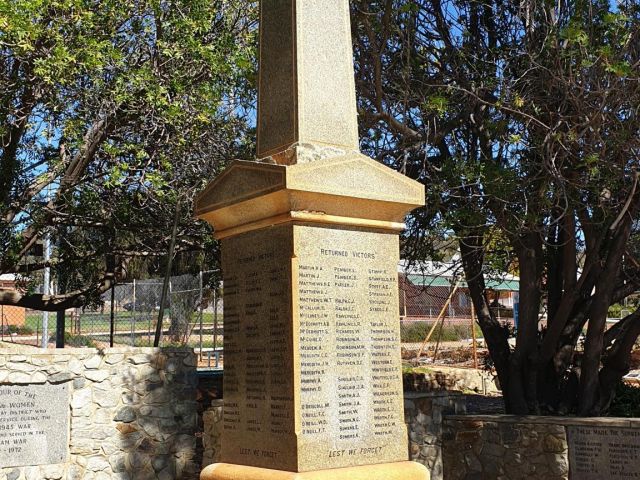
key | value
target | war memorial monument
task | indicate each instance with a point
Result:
(310, 247)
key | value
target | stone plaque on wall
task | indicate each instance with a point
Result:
(598, 452)
(34, 424)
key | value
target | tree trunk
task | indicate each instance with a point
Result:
(495, 334)
(618, 361)
(589, 378)
(522, 378)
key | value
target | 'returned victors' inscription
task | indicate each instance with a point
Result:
(350, 385)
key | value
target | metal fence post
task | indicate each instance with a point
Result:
(112, 322)
(133, 316)
(215, 319)
(201, 313)
(46, 288)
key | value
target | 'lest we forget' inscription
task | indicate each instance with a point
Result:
(596, 453)
(34, 424)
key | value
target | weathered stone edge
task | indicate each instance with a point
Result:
(569, 421)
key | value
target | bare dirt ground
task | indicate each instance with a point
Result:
(484, 405)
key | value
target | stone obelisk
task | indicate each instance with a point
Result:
(309, 237)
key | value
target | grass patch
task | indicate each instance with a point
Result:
(101, 322)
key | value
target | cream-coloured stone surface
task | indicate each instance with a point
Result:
(34, 424)
(277, 95)
(306, 80)
(309, 253)
(137, 422)
(346, 310)
(258, 421)
(352, 186)
(385, 471)
(307, 152)
(597, 452)
(312, 360)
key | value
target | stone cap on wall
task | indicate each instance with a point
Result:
(29, 350)
(546, 420)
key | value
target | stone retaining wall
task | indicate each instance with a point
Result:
(442, 378)
(132, 411)
(503, 447)
(212, 431)
(509, 447)
(423, 414)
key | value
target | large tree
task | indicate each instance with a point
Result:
(521, 118)
(113, 113)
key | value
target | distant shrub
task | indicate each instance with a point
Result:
(626, 402)
(417, 332)
(72, 340)
(20, 329)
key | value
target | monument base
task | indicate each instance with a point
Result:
(381, 471)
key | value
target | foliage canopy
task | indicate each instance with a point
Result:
(521, 118)
(111, 113)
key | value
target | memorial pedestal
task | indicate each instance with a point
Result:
(312, 383)
(384, 471)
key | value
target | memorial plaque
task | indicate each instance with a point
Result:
(351, 403)
(34, 424)
(602, 452)
(312, 310)
(258, 422)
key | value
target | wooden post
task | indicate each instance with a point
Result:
(441, 316)
(404, 299)
(435, 352)
(60, 329)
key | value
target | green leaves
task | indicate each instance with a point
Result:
(437, 104)
(575, 34)
(127, 103)
(620, 69)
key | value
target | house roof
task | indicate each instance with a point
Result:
(444, 281)
(8, 277)
(446, 274)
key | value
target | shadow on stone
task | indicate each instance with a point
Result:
(156, 421)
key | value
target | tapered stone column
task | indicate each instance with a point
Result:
(307, 100)
(312, 368)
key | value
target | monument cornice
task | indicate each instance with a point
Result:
(352, 191)
(312, 218)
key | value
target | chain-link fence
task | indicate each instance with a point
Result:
(436, 318)
(128, 316)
